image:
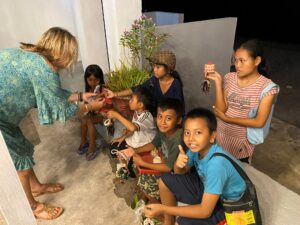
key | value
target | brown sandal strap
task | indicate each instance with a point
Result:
(48, 209)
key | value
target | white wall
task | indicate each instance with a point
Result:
(119, 16)
(25, 21)
(88, 17)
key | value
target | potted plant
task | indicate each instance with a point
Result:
(143, 42)
(125, 77)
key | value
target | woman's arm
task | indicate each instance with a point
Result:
(80, 96)
(199, 211)
(85, 97)
(95, 105)
(257, 122)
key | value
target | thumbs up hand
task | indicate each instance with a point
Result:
(182, 158)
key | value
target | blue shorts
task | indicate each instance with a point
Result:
(188, 188)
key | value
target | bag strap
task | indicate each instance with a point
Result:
(268, 88)
(235, 165)
(119, 153)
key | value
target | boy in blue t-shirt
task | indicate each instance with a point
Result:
(216, 177)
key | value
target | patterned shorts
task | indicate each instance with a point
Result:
(148, 183)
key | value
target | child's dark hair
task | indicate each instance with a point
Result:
(255, 49)
(95, 70)
(143, 95)
(203, 113)
(176, 75)
(171, 103)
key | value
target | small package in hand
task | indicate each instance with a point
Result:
(209, 67)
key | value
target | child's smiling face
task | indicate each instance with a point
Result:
(197, 135)
(167, 121)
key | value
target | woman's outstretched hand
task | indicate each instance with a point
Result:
(74, 97)
(86, 97)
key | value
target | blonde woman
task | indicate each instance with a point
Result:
(28, 79)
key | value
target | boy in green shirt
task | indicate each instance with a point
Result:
(169, 136)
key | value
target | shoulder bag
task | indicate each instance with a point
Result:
(245, 210)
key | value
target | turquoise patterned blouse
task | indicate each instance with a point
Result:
(26, 81)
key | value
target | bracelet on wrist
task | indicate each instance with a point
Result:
(80, 97)
(73, 99)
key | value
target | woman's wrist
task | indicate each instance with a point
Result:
(73, 98)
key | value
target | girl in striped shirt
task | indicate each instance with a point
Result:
(237, 94)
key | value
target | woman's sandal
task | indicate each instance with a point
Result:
(47, 212)
(51, 188)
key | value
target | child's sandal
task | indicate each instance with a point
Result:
(92, 155)
(83, 149)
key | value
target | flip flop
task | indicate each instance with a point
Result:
(92, 155)
(47, 212)
(51, 188)
(83, 149)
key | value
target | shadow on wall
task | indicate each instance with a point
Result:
(73, 79)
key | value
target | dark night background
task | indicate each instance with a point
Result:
(276, 22)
